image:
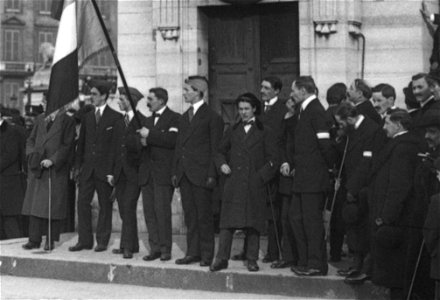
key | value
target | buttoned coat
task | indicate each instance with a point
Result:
(54, 145)
(367, 109)
(196, 146)
(391, 194)
(254, 161)
(12, 160)
(431, 233)
(314, 154)
(95, 141)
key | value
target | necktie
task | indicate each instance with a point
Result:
(250, 122)
(156, 117)
(191, 113)
(267, 107)
(98, 116)
(126, 120)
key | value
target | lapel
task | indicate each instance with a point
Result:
(54, 129)
(162, 119)
(103, 119)
(252, 137)
(357, 135)
(196, 119)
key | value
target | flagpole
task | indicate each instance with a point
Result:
(115, 57)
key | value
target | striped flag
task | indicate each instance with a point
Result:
(79, 37)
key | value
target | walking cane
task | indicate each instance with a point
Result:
(277, 237)
(328, 214)
(408, 297)
(49, 240)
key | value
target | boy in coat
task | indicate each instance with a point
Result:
(253, 163)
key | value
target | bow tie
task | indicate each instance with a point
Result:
(250, 122)
(156, 115)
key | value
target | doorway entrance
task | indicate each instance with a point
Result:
(246, 44)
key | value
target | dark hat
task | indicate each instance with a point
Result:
(199, 83)
(430, 118)
(389, 237)
(135, 94)
(103, 86)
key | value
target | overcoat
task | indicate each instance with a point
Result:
(432, 235)
(12, 160)
(254, 162)
(391, 194)
(55, 145)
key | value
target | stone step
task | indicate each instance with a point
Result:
(105, 267)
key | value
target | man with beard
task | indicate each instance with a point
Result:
(359, 93)
(157, 138)
(424, 96)
(391, 196)
(363, 139)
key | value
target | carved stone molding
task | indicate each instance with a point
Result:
(354, 27)
(326, 27)
(169, 32)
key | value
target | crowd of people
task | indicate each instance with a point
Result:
(363, 171)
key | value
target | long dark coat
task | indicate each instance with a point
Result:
(391, 194)
(12, 178)
(254, 162)
(55, 145)
(432, 235)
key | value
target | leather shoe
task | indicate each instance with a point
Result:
(357, 278)
(47, 247)
(187, 260)
(118, 251)
(31, 245)
(165, 256)
(219, 264)
(205, 263)
(268, 259)
(151, 256)
(100, 248)
(347, 272)
(252, 266)
(240, 256)
(127, 254)
(79, 247)
(311, 272)
(281, 264)
(298, 270)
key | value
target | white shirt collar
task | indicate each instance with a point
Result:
(101, 108)
(271, 101)
(359, 121)
(400, 133)
(160, 111)
(426, 101)
(197, 105)
(1, 122)
(307, 102)
(130, 115)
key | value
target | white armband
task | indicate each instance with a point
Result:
(323, 135)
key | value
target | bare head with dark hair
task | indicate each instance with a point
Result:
(420, 87)
(157, 99)
(398, 120)
(346, 115)
(270, 88)
(302, 88)
(384, 96)
(410, 101)
(434, 86)
(336, 94)
(359, 91)
(252, 100)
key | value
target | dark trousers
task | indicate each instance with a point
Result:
(225, 243)
(274, 227)
(196, 204)
(337, 225)
(127, 195)
(288, 243)
(157, 212)
(38, 227)
(358, 240)
(10, 227)
(306, 213)
(87, 187)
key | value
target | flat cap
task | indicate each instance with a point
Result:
(199, 83)
(135, 94)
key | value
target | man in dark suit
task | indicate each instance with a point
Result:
(384, 96)
(359, 93)
(312, 159)
(157, 138)
(92, 163)
(362, 139)
(422, 85)
(200, 131)
(124, 173)
(12, 180)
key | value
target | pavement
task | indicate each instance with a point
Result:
(105, 267)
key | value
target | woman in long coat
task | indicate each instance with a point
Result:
(253, 161)
(48, 148)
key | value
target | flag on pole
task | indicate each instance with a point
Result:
(79, 38)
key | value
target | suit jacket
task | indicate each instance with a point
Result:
(196, 146)
(122, 159)
(95, 141)
(274, 117)
(55, 145)
(157, 157)
(254, 162)
(367, 109)
(431, 233)
(12, 160)
(314, 154)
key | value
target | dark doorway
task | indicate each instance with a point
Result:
(246, 44)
